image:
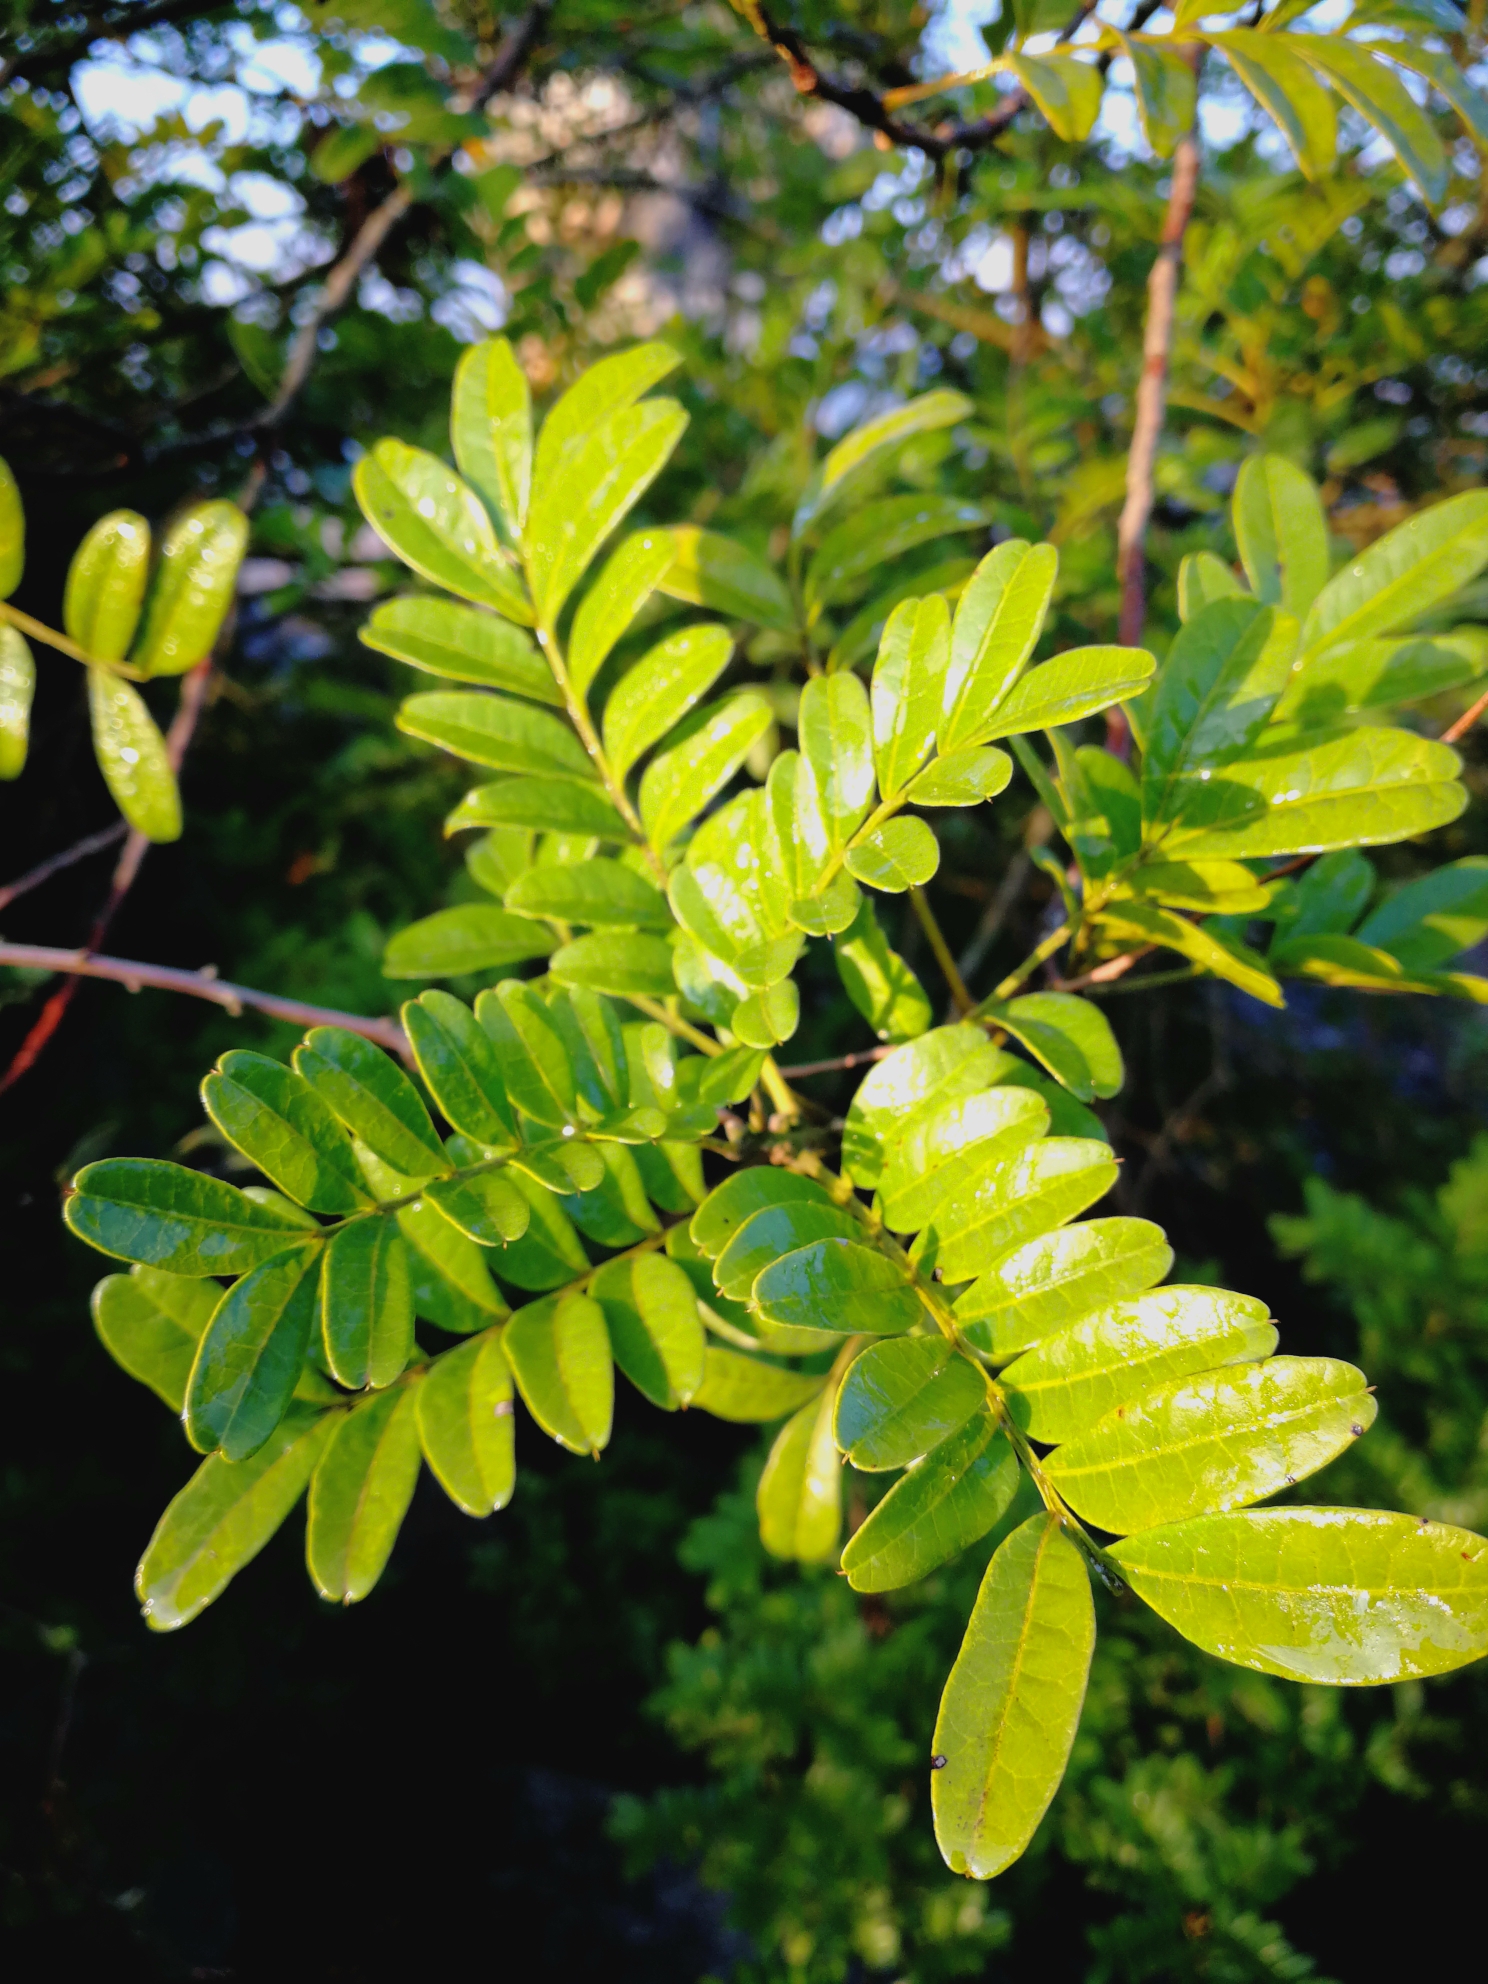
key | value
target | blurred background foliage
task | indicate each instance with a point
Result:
(616, 1733)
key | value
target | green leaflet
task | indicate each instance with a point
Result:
(998, 622)
(449, 1281)
(164, 1216)
(855, 451)
(919, 1078)
(614, 1210)
(715, 572)
(1282, 533)
(17, 687)
(1350, 1597)
(617, 964)
(606, 388)
(1054, 1280)
(1211, 1442)
(656, 1332)
(909, 688)
(491, 429)
(150, 1324)
(878, 981)
(1219, 684)
(1359, 677)
(946, 1501)
(488, 1207)
(954, 1146)
(901, 854)
(559, 1352)
(1358, 788)
(1137, 923)
(1214, 888)
(856, 551)
(741, 1195)
(549, 1253)
(366, 1304)
(1012, 1703)
(461, 643)
(1431, 919)
(602, 474)
(768, 1017)
(491, 730)
(12, 533)
(902, 1398)
(1074, 685)
(772, 1231)
(595, 1042)
(630, 575)
(1165, 93)
(373, 1097)
(248, 1361)
(132, 756)
(533, 1061)
(606, 893)
(800, 843)
(359, 1495)
(557, 805)
(460, 1068)
(833, 910)
(1408, 571)
(1377, 93)
(1202, 579)
(710, 748)
(1065, 89)
(466, 1427)
(1037, 1188)
(836, 730)
(191, 590)
(280, 1124)
(799, 1498)
(1328, 898)
(1070, 1036)
(1059, 1389)
(223, 1517)
(106, 585)
(841, 1285)
(1283, 84)
(659, 691)
(964, 778)
(438, 526)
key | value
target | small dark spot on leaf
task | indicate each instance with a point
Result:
(1356, 1431)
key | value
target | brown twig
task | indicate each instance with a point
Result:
(1465, 722)
(199, 985)
(842, 1061)
(1152, 398)
(44, 870)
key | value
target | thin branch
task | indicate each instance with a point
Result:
(943, 957)
(842, 1061)
(199, 985)
(1465, 722)
(44, 870)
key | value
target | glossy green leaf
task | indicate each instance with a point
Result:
(656, 1332)
(767, 1018)
(491, 429)
(1067, 1382)
(841, 1285)
(1217, 1441)
(1035, 1189)
(1051, 1282)
(1067, 1118)
(1202, 579)
(946, 1147)
(865, 444)
(460, 1068)
(461, 643)
(280, 1124)
(606, 893)
(164, 1216)
(1356, 788)
(1283, 84)
(901, 854)
(1071, 1038)
(487, 1206)
(799, 1498)
(466, 1426)
(836, 731)
(660, 689)
(438, 526)
(718, 573)
(559, 1352)
(359, 1495)
(619, 965)
(549, 1253)
(1012, 1703)
(749, 1392)
(998, 622)
(12, 533)
(366, 1304)
(1403, 575)
(1074, 685)
(902, 1398)
(832, 910)
(614, 1210)
(1213, 888)
(909, 688)
(878, 981)
(945, 1502)
(1430, 920)
(150, 1324)
(1165, 93)
(473, 936)
(554, 805)
(713, 743)
(17, 687)
(1362, 677)
(1065, 89)
(1137, 924)
(449, 1281)
(607, 388)
(1282, 533)
(373, 1097)
(223, 1517)
(630, 575)
(106, 585)
(741, 1196)
(535, 1068)
(964, 778)
(492, 730)
(191, 590)
(1440, 70)
(1349, 1597)
(603, 474)
(909, 1085)
(249, 1357)
(852, 555)
(132, 756)
(1219, 684)
(772, 1231)
(1378, 94)
(801, 843)
(1330, 896)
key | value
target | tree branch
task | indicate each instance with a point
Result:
(54, 864)
(199, 985)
